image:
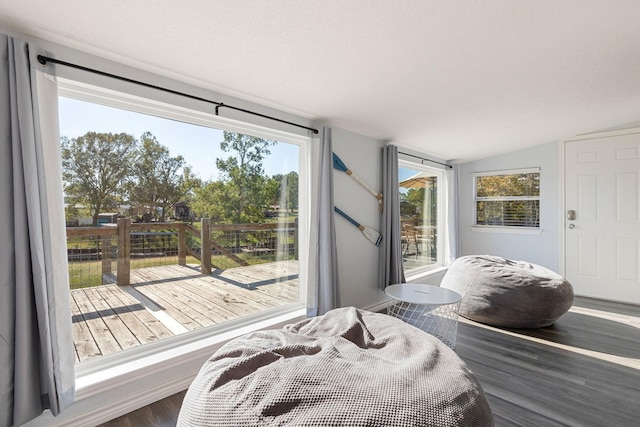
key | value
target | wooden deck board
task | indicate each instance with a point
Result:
(141, 329)
(102, 335)
(230, 286)
(256, 277)
(173, 306)
(85, 345)
(256, 297)
(154, 325)
(226, 303)
(164, 292)
(166, 300)
(205, 311)
(113, 321)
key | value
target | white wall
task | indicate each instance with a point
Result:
(543, 248)
(357, 257)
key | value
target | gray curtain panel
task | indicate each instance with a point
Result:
(325, 290)
(36, 355)
(453, 239)
(391, 270)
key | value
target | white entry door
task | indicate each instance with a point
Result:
(602, 242)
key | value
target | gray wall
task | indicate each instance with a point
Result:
(543, 248)
(357, 257)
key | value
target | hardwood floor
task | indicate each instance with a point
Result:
(163, 413)
(583, 371)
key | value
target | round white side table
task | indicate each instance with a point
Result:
(430, 308)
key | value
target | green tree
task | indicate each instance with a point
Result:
(96, 168)
(190, 184)
(292, 191)
(509, 199)
(415, 201)
(244, 190)
(286, 194)
(521, 184)
(209, 201)
(159, 178)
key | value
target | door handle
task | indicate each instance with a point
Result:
(571, 215)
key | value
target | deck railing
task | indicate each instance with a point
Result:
(95, 252)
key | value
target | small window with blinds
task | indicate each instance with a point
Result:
(508, 198)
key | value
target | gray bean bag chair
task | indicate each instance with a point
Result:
(347, 368)
(509, 294)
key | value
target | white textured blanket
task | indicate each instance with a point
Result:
(346, 368)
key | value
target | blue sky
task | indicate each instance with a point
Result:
(200, 146)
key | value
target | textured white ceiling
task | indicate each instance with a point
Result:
(460, 79)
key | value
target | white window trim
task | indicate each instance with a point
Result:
(505, 229)
(125, 101)
(506, 172)
(92, 377)
(502, 228)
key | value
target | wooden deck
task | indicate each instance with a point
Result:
(170, 300)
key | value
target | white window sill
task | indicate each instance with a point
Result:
(505, 230)
(430, 276)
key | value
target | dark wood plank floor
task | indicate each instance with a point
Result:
(163, 413)
(583, 371)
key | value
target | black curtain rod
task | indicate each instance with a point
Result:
(44, 59)
(426, 160)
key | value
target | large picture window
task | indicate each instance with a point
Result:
(507, 198)
(177, 220)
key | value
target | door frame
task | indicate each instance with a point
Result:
(563, 182)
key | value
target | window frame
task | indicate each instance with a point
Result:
(516, 229)
(441, 229)
(91, 373)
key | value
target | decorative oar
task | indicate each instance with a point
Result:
(372, 235)
(339, 164)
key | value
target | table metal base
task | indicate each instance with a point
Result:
(440, 321)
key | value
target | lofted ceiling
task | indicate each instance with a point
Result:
(459, 79)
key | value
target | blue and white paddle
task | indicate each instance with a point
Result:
(372, 235)
(339, 164)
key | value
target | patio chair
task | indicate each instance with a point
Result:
(409, 236)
